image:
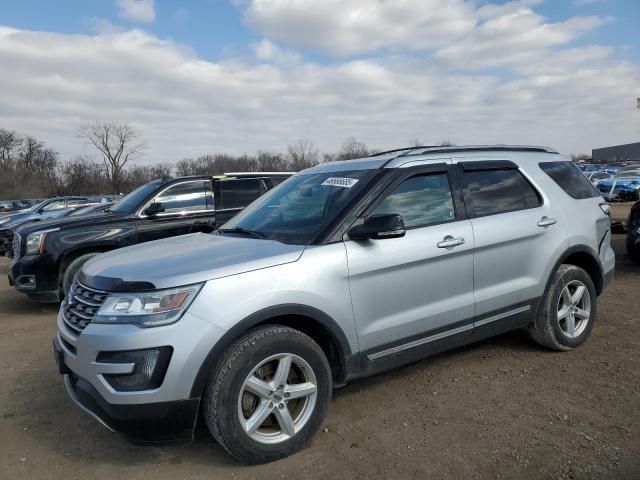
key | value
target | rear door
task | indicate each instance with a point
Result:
(411, 290)
(517, 231)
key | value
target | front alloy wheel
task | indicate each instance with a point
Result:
(268, 395)
(277, 398)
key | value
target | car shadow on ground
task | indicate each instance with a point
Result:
(90, 443)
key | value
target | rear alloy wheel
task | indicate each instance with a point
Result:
(574, 309)
(568, 310)
(269, 394)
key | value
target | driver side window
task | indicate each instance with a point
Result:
(421, 200)
(184, 197)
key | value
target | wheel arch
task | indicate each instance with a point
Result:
(313, 322)
(68, 257)
(586, 258)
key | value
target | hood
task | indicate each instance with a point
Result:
(66, 222)
(17, 218)
(184, 260)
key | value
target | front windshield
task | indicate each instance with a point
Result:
(301, 207)
(131, 201)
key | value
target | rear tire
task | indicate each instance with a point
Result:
(568, 310)
(258, 408)
(72, 270)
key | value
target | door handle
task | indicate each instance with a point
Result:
(450, 242)
(547, 222)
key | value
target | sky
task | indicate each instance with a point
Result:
(202, 76)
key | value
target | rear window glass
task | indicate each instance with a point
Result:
(570, 179)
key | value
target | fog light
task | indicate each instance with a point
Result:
(148, 372)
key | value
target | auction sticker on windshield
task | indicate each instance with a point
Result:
(340, 182)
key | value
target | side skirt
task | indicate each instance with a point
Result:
(416, 348)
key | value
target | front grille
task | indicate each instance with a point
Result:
(6, 241)
(14, 251)
(81, 305)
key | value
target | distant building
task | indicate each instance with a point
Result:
(617, 153)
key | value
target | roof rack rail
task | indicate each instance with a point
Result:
(377, 154)
(464, 148)
(477, 148)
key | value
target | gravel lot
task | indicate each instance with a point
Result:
(502, 408)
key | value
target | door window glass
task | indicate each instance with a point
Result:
(238, 193)
(531, 196)
(421, 200)
(493, 191)
(183, 197)
(57, 205)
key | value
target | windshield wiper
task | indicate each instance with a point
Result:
(243, 231)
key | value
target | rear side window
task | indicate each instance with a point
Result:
(570, 179)
(490, 192)
(238, 193)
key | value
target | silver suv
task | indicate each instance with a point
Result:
(343, 271)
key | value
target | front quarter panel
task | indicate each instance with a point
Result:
(319, 279)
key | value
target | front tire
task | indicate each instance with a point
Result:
(269, 394)
(72, 270)
(568, 311)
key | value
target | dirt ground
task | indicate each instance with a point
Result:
(502, 408)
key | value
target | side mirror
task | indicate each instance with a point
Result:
(379, 227)
(154, 209)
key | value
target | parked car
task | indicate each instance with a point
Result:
(595, 177)
(47, 256)
(8, 206)
(343, 271)
(623, 187)
(51, 208)
(633, 233)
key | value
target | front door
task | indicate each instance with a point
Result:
(185, 210)
(411, 290)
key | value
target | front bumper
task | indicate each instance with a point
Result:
(164, 414)
(36, 276)
(166, 422)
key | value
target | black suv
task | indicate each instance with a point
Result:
(47, 255)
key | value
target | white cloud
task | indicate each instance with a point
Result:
(137, 10)
(351, 27)
(269, 52)
(572, 98)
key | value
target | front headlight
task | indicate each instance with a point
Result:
(147, 309)
(36, 241)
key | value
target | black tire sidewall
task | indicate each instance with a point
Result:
(568, 276)
(71, 271)
(234, 436)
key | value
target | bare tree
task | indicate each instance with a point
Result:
(302, 154)
(117, 143)
(447, 143)
(351, 148)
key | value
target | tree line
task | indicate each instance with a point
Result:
(31, 169)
